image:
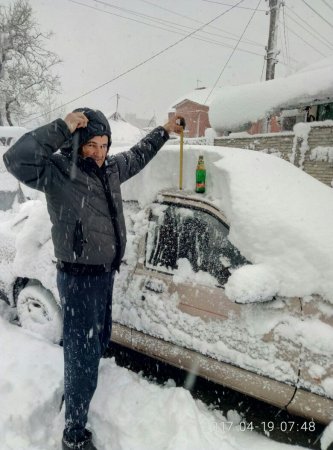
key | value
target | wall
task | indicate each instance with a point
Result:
(196, 118)
(309, 147)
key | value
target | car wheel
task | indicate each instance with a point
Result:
(38, 311)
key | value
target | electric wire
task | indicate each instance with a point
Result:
(309, 25)
(287, 57)
(328, 45)
(262, 70)
(283, 48)
(305, 42)
(136, 66)
(232, 53)
(226, 4)
(316, 12)
(327, 4)
(197, 21)
(248, 41)
(169, 23)
(175, 31)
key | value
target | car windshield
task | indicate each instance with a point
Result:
(181, 232)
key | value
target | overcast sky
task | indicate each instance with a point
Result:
(99, 40)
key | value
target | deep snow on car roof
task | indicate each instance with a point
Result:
(280, 217)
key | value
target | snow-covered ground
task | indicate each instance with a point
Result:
(127, 411)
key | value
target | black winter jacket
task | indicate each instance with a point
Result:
(83, 231)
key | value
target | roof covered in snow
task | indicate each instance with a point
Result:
(198, 96)
(234, 106)
(124, 134)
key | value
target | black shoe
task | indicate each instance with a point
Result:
(86, 444)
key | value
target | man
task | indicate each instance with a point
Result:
(82, 189)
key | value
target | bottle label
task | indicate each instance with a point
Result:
(200, 185)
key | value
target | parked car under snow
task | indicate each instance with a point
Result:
(10, 189)
(221, 284)
(170, 303)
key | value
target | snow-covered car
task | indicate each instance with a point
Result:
(9, 135)
(12, 192)
(225, 286)
(10, 189)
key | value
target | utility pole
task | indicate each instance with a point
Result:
(116, 116)
(118, 97)
(271, 50)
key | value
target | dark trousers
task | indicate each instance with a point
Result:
(87, 313)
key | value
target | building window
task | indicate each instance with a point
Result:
(325, 111)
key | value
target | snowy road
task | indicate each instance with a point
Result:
(127, 412)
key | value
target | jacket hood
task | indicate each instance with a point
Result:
(98, 125)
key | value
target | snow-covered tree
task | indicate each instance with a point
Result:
(25, 63)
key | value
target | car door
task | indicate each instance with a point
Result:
(177, 293)
(314, 331)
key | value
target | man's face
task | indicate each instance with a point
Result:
(96, 148)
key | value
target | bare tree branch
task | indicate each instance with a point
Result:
(25, 64)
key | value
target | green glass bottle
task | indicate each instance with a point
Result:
(200, 175)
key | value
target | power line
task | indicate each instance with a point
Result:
(232, 53)
(226, 4)
(159, 20)
(323, 18)
(305, 42)
(327, 4)
(210, 41)
(137, 65)
(312, 33)
(197, 21)
(262, 70)
(247, 41)
(287, 58)
(285, 35)
(306, 23)
(283, 48)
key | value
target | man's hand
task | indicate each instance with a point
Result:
(76, 120)
(174, 124)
